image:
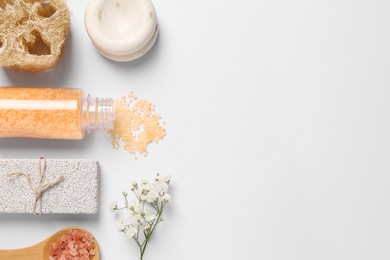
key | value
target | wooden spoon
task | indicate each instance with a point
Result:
(41, 251)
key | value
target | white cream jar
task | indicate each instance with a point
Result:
(121, 30)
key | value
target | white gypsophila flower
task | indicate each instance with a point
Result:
(152, 196)
(167, 178)
(162, 183)
(131, 231)
(149, 215)
(163, 178)
(145, 226)
(158, 177)
(143, 197)
(143, 189)
(162, 187)
(145, 212)
(137, 219)
(122, 224)
(113, 206)
(144, 185)
(166, 198)
(133, 186)
(135, 207)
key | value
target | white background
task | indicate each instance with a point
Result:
(278, 120)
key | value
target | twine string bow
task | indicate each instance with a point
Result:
(42, 186)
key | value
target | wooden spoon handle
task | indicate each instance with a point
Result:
(31, 253)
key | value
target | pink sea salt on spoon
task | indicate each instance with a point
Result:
(80, 244)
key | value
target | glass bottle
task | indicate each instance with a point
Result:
(52, 113)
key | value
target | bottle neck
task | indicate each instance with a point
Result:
(97, 113)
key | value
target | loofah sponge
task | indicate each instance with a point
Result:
(32, 33)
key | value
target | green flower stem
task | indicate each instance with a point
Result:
(148, 235)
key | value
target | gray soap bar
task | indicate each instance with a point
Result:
(78, 193)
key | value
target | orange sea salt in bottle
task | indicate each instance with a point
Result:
(53, 113)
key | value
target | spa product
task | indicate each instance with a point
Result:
(75, 236)
(121, 30)
(60, 113)
(75, 244)
(52, 186)
(136, 125)
(32, 33)
(54, 113)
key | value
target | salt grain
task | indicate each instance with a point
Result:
(136, 125)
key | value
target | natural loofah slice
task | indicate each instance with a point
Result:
(32, 33)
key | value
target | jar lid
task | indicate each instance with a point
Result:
(121, 30)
